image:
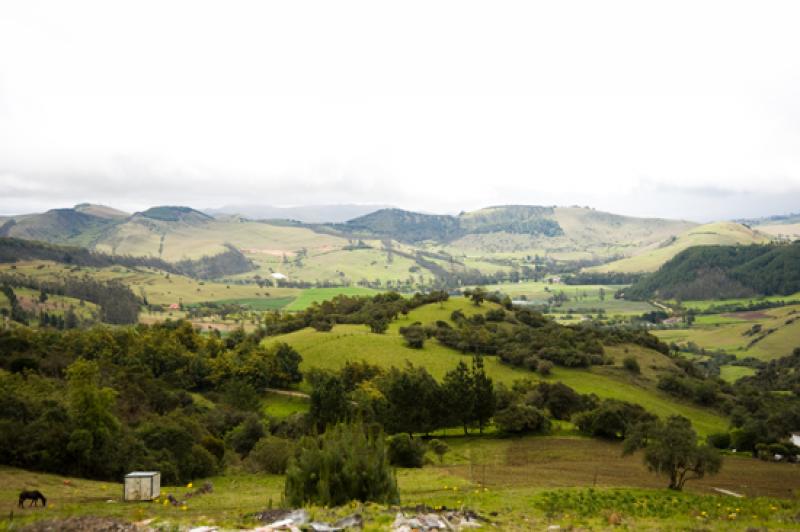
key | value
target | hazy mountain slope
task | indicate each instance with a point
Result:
(721, 272)
(720, 233)
(583, 234)
(312, 214)
(101, 211)
(56, 226)
(403, 225)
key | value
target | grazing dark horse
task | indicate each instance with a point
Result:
(34, 496)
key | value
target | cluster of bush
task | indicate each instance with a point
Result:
(375, 311)
(97, 402)
(526, 338)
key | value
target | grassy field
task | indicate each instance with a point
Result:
(280, 405)
(330, 350)
(518, 483)
(705, 304)
(257, 303)
(730, 333)
(734, 373)
(311, 295)
(582, 299)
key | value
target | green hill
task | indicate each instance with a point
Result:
(716, 234)
(720, 272)
(354, 342)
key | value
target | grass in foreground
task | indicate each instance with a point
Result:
(529, 483)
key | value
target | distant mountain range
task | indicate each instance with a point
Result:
(312, 214)
(386, 243)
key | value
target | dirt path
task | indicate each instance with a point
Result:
(290, 393)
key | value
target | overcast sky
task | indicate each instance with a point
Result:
(679, 109)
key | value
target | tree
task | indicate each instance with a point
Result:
(671, 449)
(91, 410)
(414, 335)
(483, 390)
(520, 418)
(70, 319)
(476, 295)
(378, 325)
(439, 448)
(459, 395)
(413, 400)
(328, 399)
(286, 370)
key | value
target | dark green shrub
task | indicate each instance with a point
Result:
(632, 365)
(245, 435)
(343, 464)
(720, 440)
(521, 418)
(215, 446)
(414, 335)
(270, 455)
(544, 367)
(404, 451)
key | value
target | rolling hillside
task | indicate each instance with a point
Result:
(388, 248)
(355, 342)
(653, 256)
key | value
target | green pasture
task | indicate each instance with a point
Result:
(318, 295)
(330, 350)
(729, 332)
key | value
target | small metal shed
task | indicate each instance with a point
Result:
(142, 485)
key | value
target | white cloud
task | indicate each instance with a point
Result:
(428, 105)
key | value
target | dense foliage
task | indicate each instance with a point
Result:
(101, 401)
(524, 338)
(407, 226)
(723, 272)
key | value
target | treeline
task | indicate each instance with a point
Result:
(230, 262)
(118, 304)
(604, 278)
(16, 249)
(99, 402)
(722, 272)
(409, 400)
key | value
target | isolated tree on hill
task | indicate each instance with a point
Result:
(670, 448)
(476, 295)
